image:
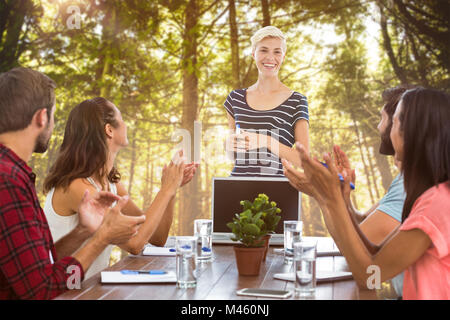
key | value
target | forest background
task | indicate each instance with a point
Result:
(169, 63)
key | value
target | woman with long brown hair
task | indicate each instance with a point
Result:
(95, 132)
(421, 244)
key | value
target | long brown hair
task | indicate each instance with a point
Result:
(84, 150)
(425, 126)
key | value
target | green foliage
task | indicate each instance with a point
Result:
(255, 221)
(131, 52)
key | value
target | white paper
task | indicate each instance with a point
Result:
(328, 253)
(321, 276)
(158, 251)
(320, 253)
(118, 277)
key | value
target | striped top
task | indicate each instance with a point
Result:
(278, 122)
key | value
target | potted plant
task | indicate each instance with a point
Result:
(270, 216)
(249, 227)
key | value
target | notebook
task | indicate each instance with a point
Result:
(118, 277)
(227, 194)
(158, 251)
(324, 248)
(321, 276)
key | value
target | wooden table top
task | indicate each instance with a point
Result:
(218, 279)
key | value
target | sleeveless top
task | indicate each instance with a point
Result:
(278, 122)
(62, 225)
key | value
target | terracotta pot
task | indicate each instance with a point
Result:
(266, 240)
(248, 260)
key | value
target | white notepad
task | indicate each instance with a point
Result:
(320, 252)
(118, 277)
(158, 251)
(321, 276)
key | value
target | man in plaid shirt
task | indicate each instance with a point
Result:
(29, 266)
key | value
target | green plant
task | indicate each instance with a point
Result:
(257, 219)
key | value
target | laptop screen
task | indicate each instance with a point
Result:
(229, 192)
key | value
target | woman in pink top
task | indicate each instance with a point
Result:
(421, 245)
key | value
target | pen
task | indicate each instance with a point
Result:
(238, 129)
(143, 272)
(352, 186)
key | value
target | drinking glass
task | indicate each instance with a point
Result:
(292, 233)
(305, 255)
(203, 233)
(186, 262)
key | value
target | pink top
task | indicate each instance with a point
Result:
(429, 277)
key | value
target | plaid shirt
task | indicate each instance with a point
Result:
(27, 269)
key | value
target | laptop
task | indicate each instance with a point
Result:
(227, 193)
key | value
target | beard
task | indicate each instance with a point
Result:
(42, 141)
(386, 146)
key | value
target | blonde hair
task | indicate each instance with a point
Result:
(268, 32)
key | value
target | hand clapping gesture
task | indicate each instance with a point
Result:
(93, 208)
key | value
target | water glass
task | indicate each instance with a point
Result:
(305, 255)
(292, 233)
(186, 262)
(203, 233)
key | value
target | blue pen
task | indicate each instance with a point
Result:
(352, 186)
(238, 129)
(156, 272)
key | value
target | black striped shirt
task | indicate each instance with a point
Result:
(278, 122)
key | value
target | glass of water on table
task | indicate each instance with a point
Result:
(305, 255)
(186, 262)
(203, 233)
(292, 233)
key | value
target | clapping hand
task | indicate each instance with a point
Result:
(325, 183)
(189, 169)
(297, 179)
(344, 168)
(173, 174)
(189, 172)
(93, 208)
(118, 228)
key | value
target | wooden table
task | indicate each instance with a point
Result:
(218, 279)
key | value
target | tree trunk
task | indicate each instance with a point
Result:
(384, 168)
(107, 46)
(265, 12)
(208, 180)
(399, 72)
(421, 62)
(147, 196)
(12, 21)
(437, 30)
(314, 223)
(132, 161)
(366, 170)
(234, 45)
(52, 150)
(371, 166)
(189, 195)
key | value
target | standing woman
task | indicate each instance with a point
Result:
(268, 116)
(95, 132)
